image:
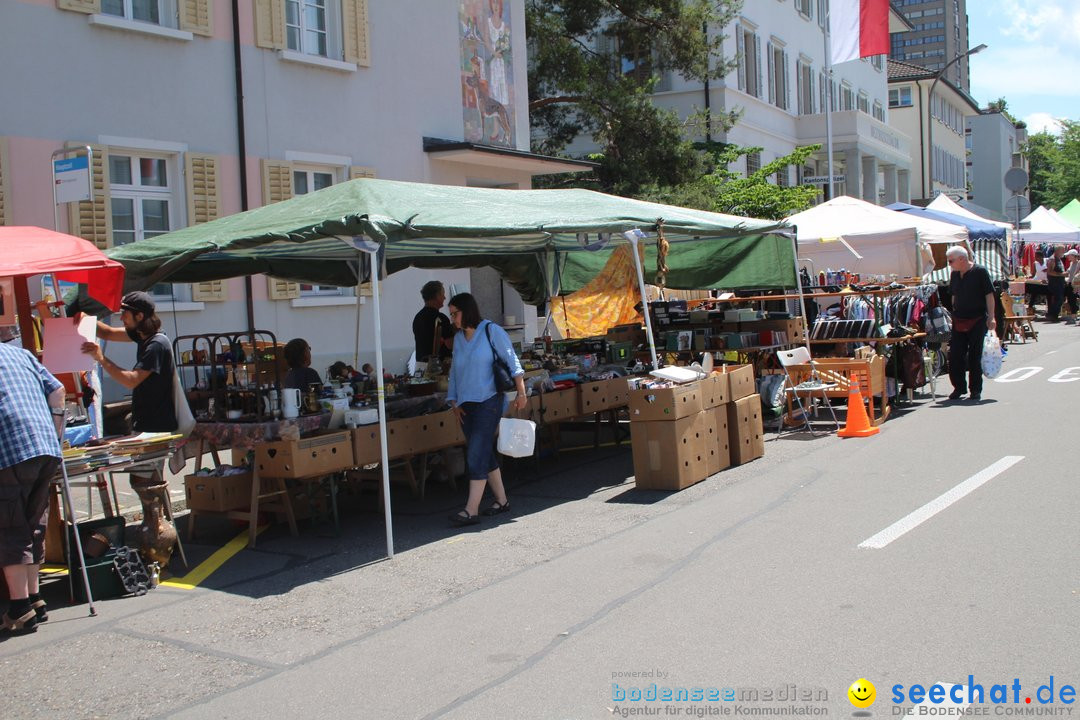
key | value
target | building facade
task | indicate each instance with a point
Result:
(936, 126)
(995, 145)
(331, 90)
(939, 34)
(781, 88)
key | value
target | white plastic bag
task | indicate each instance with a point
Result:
(516, 437)
(992, 356)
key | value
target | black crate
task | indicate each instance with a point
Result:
(104, 581)
(112, 528)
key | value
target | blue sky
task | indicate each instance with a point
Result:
(1033, 58)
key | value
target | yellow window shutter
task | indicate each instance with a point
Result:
(92, 219)
(211, 291)
(83, 6)
(203, 188)
(282, 289)
(354, 26)
(270, 24)
(203, 204)
(5, 211)
(361, 171)
(197, 16)
(276, 181)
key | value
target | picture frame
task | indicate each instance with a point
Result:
(7, 301)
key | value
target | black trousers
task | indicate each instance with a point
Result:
(1055, 287)
(965, 359)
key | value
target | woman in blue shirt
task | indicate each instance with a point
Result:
(476, 402)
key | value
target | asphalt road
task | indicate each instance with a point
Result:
(754, 581)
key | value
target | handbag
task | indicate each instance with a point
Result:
(504, 381)
(517, 438)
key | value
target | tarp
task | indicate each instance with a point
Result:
(450, 226)
(1071, 212)
(988, 242)
(889, 242)
(1047, 228)
(966, 207)
(27, 250)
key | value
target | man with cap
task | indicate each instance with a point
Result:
(151, 380)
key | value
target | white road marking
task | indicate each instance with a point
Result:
(1027, 372)
(1063, 376)
(914, 519)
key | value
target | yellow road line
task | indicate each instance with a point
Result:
(208, 566)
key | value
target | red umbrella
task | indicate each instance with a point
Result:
(26, 251)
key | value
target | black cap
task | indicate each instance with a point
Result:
(138, 302)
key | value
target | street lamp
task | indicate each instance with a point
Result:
(930, 112)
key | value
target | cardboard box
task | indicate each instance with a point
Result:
(314, 455)
(745, 430)
(669, 455)
(720, 437)
(740, 380)
(714, 391)
(665, 403)
(554, 407)
(603, 395)
(218, 493)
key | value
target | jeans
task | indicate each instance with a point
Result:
(480, 425)
(965, 359)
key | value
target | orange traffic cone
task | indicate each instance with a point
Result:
(857, 423)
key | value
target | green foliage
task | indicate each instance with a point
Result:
(1001, 105)
(1055, 165)
(727, 191)
(592, 67)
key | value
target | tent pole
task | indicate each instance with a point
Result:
(802, 295)
(631, 236)
(381, 394)
(359, 282)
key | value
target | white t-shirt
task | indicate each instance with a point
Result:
(1040, 271)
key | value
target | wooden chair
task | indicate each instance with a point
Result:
(1017, 326)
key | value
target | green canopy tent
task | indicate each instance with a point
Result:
(541, 242)
(1071, 212)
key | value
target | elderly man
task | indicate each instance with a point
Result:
(973, 314)
(31, 417)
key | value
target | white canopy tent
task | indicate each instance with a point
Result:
(944, 203)
(1047, 227)
(863, 238)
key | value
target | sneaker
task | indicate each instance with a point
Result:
(956, 395)
(975, 397)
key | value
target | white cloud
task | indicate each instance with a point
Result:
(1040, 122)
(1018, 71)
(1041, 21)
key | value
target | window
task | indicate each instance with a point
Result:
(753, 163)
(879, 111)
(878, 61)
(157, 12)
(804, 81)
(805, 8)
(863, 102)
(313, 27)
(142, 200)
(748, 48)
(311, 179)
(821, 13)
(847, 97)
(783, 177)
(900, 96)
(778, 75)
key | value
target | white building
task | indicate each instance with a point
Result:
(332, 90)
(935, 124)
(780, 87)
(994, 146)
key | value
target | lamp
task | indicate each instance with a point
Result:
(930, 113)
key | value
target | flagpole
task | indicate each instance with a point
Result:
(828, 101)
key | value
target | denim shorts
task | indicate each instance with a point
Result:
(480, 424)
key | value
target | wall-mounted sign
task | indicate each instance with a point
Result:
(823, 179)
(71, 177)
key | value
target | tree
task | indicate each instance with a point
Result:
(593, 65)
(727, 191)
(1055, 165)
(1001, 105)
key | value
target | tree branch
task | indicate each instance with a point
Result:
(556, 100)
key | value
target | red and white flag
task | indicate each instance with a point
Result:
(858, 29)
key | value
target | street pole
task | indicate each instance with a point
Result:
(930, 114)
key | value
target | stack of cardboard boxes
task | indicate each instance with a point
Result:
(683, 434)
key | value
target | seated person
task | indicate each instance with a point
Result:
(298, 358)
(367, 369)
(344, 373)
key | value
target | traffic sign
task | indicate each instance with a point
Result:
(1016, 179)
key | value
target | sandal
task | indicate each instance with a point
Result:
(24, 624)
(463, 518)
(497, 508)
(40, 611)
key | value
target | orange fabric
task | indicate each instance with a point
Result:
(607, 300)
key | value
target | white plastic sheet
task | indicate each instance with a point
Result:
(992, 355)
(517, 437)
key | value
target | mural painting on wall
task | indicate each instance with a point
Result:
(487, 89)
